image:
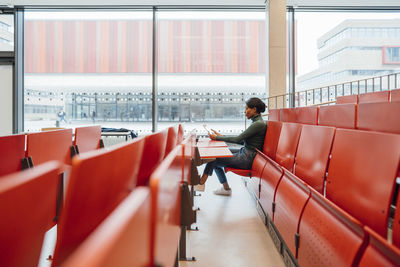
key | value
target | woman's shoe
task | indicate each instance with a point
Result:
(223, 192)
(200, 187)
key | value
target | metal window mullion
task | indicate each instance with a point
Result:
(154, 110)
(18, 90)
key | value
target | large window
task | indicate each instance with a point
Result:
(209, 63)
(6, 33)
(344, 46)
(88, 67)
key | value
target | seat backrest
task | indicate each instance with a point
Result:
(270, 178)
(165, 190)
(99, 181)
(287, 145)
(87, 138)
(396, 225)
(123, 239)
(379, 252)
(179, 136)
(12, 152)
(380, 117)
(258, 165)
(313, 154)
(348, 99)
(328, 236)
(362, 173)
(188, 146)
(339, 115)
(171, 140)
(287, 115)
(272, 138)
(27, 207)
(382, 96)
(273, 114)
(291, 197)
(395, 95)
(307, 115)
(153, 153)
(51, 145)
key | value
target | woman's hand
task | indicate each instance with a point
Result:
(216, 133)
(212, 136)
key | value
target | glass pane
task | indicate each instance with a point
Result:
(88, 67)
(209, 64)
(6, 33)
(344, 47)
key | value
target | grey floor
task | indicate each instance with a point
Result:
(230, 231)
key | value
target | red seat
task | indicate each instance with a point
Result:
(328, 236)
(52, 145)
(171, 140)
(123, 239)
(26, 211)
(395, 95)
(379, 252)
(362, 173)
(340, 116)
(348, 99)
(153, 154)
(381, 117)
(95, 188)
(307, 115)
(287, 115)
(396, 224)
(12, 152)
(179, 136)
(291, 196)
(270, 178)
(287, 145)
(165, 189)
(272, 139)
(273, 115)
(87, 138)
(313, 154)
(382, 96)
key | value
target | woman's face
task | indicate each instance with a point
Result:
(250, 112)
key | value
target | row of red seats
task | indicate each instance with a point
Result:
(293, 166)
(380, 116)
(381, 96)
(99, 182)
(45, 146)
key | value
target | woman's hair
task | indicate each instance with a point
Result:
(257, 103)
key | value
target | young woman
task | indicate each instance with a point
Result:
(251, 138)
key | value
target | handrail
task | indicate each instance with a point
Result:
(328, 94)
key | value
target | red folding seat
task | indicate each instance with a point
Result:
(123, 239)
(362, 173)
(27, 207)
(340, 116)
(270, 178)
(171, 140)
(380, 117)
(287, 145)
(165, 187)
(287, 115)
(348, 99)
(396, 224)
(291, 196)
(328, 236)
(382, 96)
(395, 95)
(272, 139)
(179, 136)
(379, 252)
(87, 138)
(307, 115)
(99, 181)
(273, 114)
(313, 154)
(13, 151)
(153, 154)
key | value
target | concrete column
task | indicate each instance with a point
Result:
(276, 66)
